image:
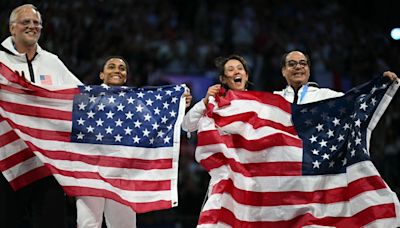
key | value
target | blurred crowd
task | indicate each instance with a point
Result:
(158, 37)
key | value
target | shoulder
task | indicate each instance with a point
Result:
(47, 54)
(284, 91)
(326, 92)
(280, 92)
(48, 57)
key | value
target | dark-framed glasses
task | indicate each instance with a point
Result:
(293, 63)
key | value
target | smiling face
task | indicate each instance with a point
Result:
(296, 70)
(114, 72)
(235, 75)
(25, 27)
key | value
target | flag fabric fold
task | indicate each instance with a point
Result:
(120, 143)
(276, 164)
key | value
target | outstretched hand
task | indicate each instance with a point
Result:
(188, 97)
(22, 74)
(391, 75)
(211, 92)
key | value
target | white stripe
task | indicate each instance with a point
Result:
(38, 123)
(264, 111)
(12, 148)
(217, 225)
(175, 150)
(242, 128)
(5, 81)
(271, 154)
(109, 172)
(288, 212)
(4, 127)
(383, 104)
(103, 150)
(131, 196)
(22, 168)
(294, 183)
(381, 108)
(35, 101)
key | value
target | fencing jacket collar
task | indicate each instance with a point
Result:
(8, 46)
(301, 92)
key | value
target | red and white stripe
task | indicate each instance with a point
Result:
(254, 158)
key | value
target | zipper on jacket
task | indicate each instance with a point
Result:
(31, 74)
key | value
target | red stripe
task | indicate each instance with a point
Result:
(253, 119)
(8, 137)
(334, 195)
(262, 97)
(30, 177)
(16, 158)
(40, 133)
(253, 169)
(366, 184)
(360, 219)
(238, 141)
(105, 161)
(130, 185)
(62, 94)
(35, 111)
(138, 207)
(34, 89)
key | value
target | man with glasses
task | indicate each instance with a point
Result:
(296, 70)
(42, 202)
(21, 51)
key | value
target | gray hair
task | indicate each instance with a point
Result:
(16, 11)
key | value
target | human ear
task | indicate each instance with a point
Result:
(222, 79)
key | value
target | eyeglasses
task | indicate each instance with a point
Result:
(293, 63)
(27, 22)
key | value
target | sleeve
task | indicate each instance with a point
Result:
(328, 93)
(192, 117)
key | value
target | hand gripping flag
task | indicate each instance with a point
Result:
(273, 164)
(119, 143)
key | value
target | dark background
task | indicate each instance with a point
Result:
(177, 41)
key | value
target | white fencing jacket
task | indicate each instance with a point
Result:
(44, 69)
(308, 93)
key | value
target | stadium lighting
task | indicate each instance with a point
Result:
(395, 33)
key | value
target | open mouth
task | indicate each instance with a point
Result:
(237, 79)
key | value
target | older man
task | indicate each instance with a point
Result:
(296, 70)
(42, 202)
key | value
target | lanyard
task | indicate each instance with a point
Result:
(303, 93)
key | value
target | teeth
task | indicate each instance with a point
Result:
(237, 79)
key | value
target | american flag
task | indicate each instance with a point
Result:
(273, 164)
(45, 79)
(120, 143)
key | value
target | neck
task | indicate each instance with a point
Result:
(296, 87)
(30, 50)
